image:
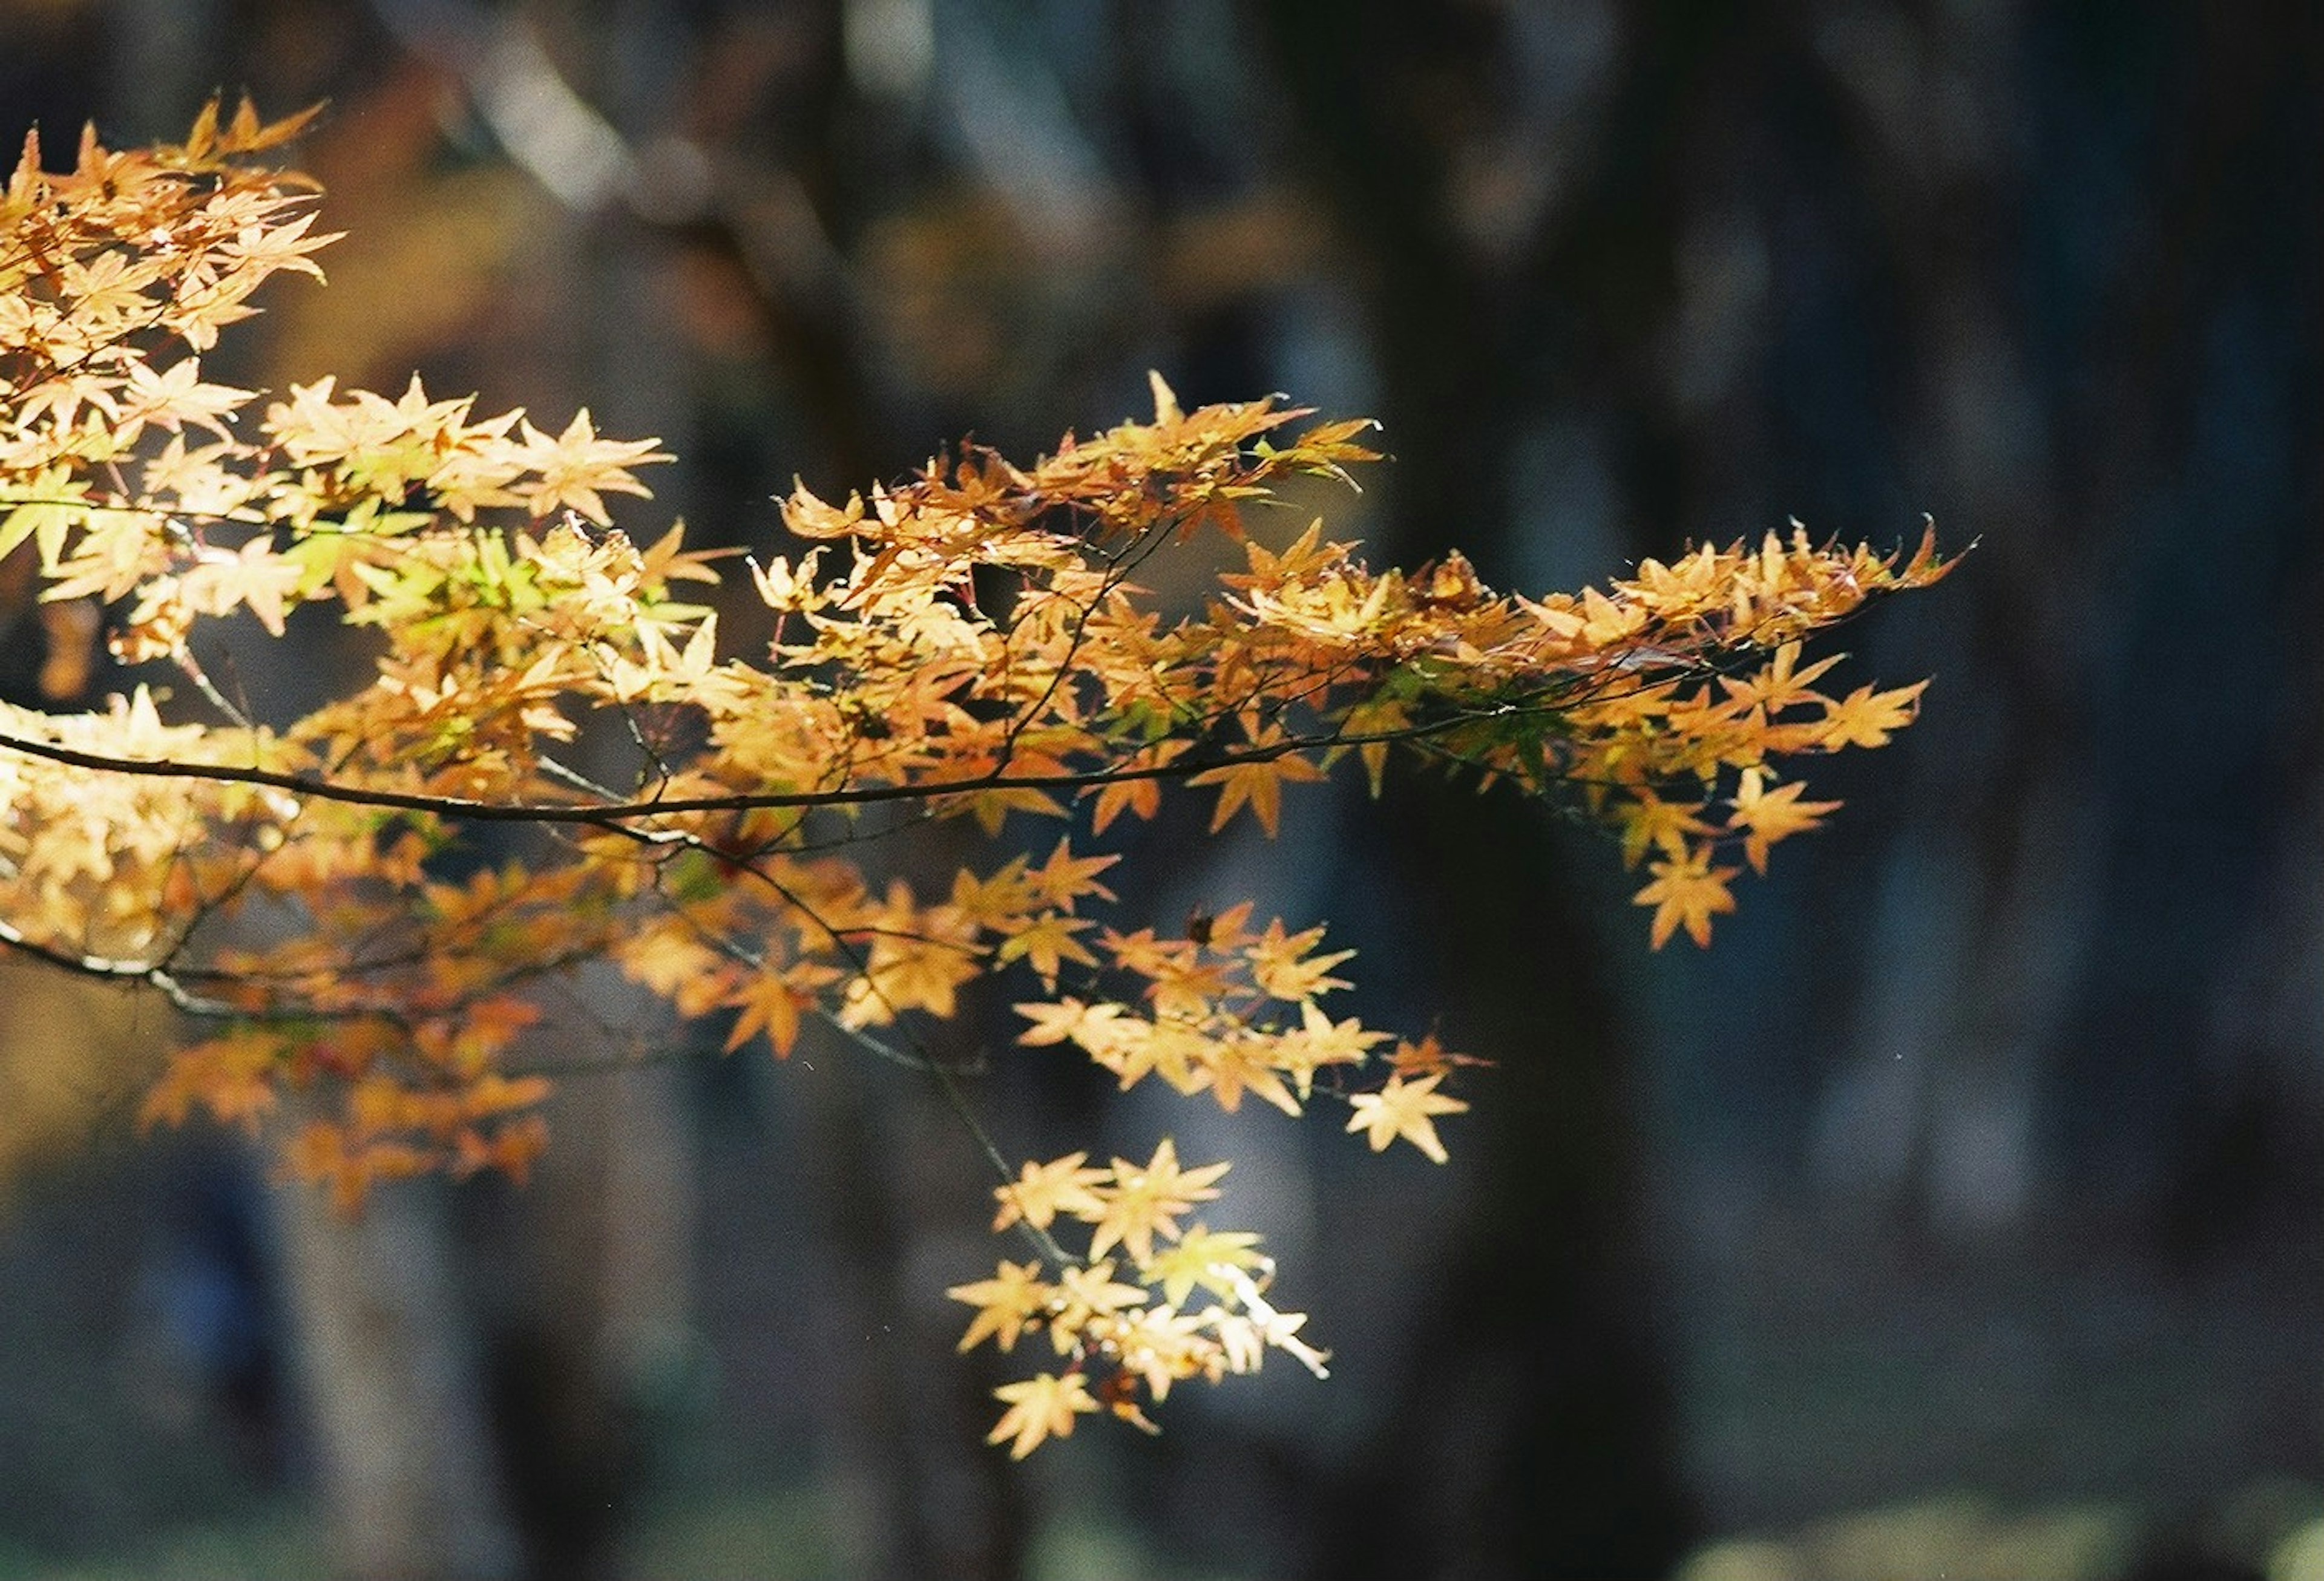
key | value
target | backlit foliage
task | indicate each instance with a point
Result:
(971, 646)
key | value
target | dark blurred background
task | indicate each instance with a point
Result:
(1958, 1213)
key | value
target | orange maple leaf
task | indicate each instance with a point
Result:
(1258, 783)
(1687, 892)
(1769, 815)
(1867, 717)
(767, 1004)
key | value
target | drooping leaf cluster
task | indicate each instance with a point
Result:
(969, 645)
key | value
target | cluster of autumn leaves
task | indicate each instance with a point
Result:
(1130, 1341)
(540, 749)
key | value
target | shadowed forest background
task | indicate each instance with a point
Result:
(1959, 1210)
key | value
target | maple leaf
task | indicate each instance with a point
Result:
(1143, 952)
(1146, 1200)
(1769, 815)
(177, 397)
(1428, 1058)
(1203, 1256)
(1688, 891)
(1319, 1040)
(1004, 1303)
(1047, 941)
(509, 1149)
(1086, 1298)
(1236, 1064)
(1604, 623)
(1043, 1190)
(493, 1093)
(1184, 984)
(1404, 1109)
(1069, 1020)
(1142, 794)
(1158, 1346)
(998, 902)
(1650, 820)
(1286, 967)
(1866, 717)
(768, 1004)
(674, 963)
(1064, 877)
(576, 466)
(256, 578)
(1041, 1406)
(1780, 685)
(49, 515)
(1257, 783)
(247, 134)
(230, 1075)
(906, 974)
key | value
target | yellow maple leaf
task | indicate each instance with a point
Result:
(1204, 1257)
(1319, 1040)
(1043, 1190)
(1779, 685)
(232, 1075)
(576, 466)
(1146, 1200)
(1047, 941)
(673, 961)
(1065, 878)
(1234, 1065)
(1404, 1109)
(1069, 1021)
(1085, 1293)
(257, 578)
(1041, 1406)
(918, 970)
(1141, 796)
(1004, 1303)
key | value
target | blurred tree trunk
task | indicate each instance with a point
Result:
(410, 1488)
(1535, 1435)
(581, 1283)
(2058, 925)
(898, 1195)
